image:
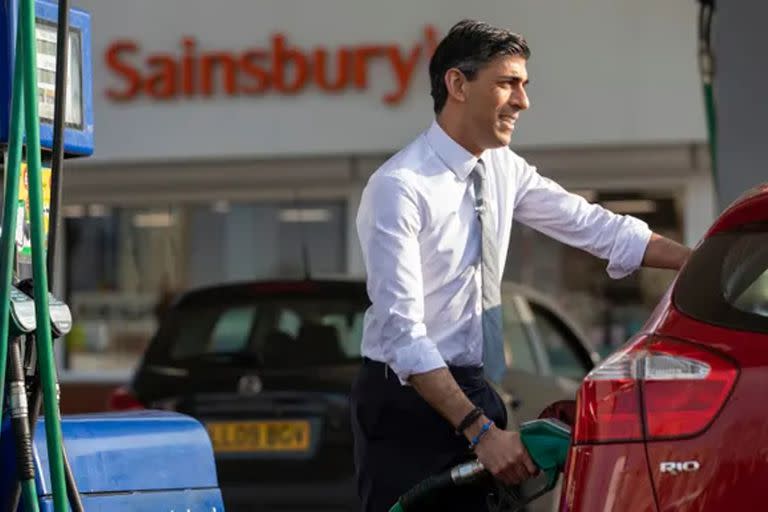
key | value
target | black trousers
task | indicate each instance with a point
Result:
(400, 439)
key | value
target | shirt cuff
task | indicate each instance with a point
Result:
(419, 356)
(629, 248)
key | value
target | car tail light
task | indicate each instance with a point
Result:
(122, 399)
(656, 388)
(609, 401)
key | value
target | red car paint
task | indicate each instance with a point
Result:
(722, 466)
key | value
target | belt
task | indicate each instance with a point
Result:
(460, 373)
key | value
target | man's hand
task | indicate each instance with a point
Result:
(502, 453)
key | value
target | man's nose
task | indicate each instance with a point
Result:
(520, 99)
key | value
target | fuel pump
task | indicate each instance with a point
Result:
(169, 463)
(38, 37)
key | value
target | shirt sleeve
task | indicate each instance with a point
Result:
(388, 225)
(545, 206)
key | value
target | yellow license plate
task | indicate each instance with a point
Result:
(259, 436)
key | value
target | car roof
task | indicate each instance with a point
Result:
(750, 208)
(322, 284)
(244, 290)
(347, 286)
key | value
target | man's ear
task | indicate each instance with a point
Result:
(456, 84)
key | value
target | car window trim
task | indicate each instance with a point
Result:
(522, 308)
(571, 337)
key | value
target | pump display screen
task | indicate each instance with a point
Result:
(46, 74)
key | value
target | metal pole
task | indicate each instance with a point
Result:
(59, 121)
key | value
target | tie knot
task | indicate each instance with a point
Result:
(479, 170)
(478, 182)
(478, 177)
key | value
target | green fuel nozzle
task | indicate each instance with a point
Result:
(547, 441)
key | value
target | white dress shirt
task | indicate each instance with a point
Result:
(420, 239)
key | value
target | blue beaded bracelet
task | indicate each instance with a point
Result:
(479, 436)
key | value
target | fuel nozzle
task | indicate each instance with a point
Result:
(61, 316)
(547, 441)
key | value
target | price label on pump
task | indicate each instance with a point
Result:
(46, 74)
(23, 226)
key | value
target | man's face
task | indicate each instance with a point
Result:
(495, 99)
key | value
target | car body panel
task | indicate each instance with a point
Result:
(605, 478)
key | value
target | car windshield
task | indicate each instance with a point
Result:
(726, 281)
(273, 332)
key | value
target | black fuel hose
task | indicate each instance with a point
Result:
(19, 412)
(422, 495)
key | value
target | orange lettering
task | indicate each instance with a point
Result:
(282, 58)
(283, 67)
(321, 71)
(403, 71)
(360, 66)
(188, 66)
(125, 70)
(248, 63)
(208, 64)
(162, 83)
(430, 35)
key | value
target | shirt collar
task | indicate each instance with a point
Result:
(453, 155)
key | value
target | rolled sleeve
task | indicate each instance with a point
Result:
(417, 355)
(629, 248)
(388, 223)
(545, 206)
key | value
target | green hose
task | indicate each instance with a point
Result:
(39, 271)
(29, 496)
(7, 238)
(397, 508)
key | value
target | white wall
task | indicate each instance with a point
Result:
(603, 71)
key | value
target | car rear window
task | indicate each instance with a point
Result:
(274, 332)
(726, 281)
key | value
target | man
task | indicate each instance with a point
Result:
(434, 224)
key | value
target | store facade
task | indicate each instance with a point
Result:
(228, 135)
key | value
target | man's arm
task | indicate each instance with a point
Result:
(621, 239)
(388, 224)
(662, 252)
(501, 452)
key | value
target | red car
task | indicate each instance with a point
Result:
(677, 419)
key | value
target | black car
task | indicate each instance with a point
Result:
(268, 366)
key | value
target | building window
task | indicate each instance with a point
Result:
(123, 264)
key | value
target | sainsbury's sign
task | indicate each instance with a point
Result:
(190, 71)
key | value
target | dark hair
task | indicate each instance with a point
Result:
(468, 46)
